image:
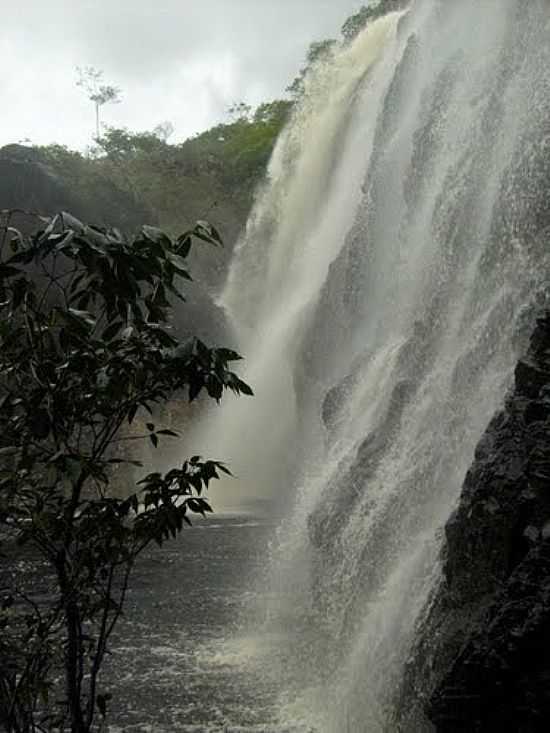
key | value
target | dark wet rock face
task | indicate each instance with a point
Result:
(482, 660)
(27, 182)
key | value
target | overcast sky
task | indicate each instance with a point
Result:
(185, 61)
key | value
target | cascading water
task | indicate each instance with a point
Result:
(381, 293)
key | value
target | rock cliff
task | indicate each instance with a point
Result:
(481, 661)
(26, 182)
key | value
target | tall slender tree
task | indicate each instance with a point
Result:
(91, 80)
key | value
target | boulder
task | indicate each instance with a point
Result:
(482, 661)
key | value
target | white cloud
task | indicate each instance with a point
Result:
(182, 60)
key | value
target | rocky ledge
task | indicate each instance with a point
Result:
(482, 659)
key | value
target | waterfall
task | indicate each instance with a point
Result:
(382, 292)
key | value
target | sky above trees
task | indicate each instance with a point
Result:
(185, 61)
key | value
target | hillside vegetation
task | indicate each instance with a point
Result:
(129, 177)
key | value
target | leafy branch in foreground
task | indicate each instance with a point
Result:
(85, 347)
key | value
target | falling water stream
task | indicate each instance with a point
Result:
(381, 294)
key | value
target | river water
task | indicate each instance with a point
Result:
(185, 658)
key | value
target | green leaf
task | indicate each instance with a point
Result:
(111, 331)
(195, 387)
(183, 245)
(7, 271)
(205, 231)
(72, 222)
(243, 387)
(178, 263)
(43, 236)
(156, 235)
(83, 316)
(228, 355)
(132, 413)
(65, 241)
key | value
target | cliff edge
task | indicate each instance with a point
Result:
(482, 661)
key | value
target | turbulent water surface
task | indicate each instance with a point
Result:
(186, 651)
(382, 291)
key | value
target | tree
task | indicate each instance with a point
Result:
(318, 52)
(86, 353)
(367, 14)
(239, 111)
(91, 80)
(164, 130)
(120, 143)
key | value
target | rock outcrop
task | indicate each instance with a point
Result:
(482, 659)
(27, 182)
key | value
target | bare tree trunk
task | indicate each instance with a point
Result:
(72, 666)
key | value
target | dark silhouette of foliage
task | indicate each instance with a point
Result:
(216, 171)
(85, 352)
(318, 52)
(368, 13)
